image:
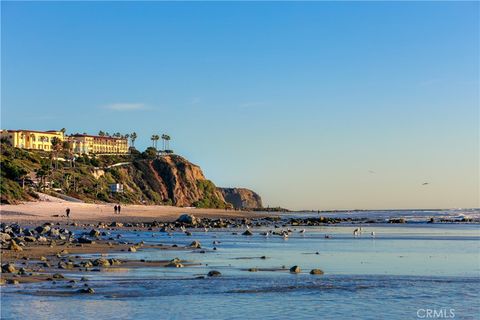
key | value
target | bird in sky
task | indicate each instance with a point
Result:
(425, 183)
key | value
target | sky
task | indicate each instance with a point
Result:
(314, 105)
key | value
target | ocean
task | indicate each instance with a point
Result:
(405, 271)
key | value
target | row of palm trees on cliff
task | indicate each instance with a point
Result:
(132, 136)
(165, 141)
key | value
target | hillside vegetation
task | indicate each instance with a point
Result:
(146, 178)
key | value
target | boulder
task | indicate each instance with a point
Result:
(295, 269)
(188, 219)
(85, 240)
(116, 224)
(248, 233)
(195, 244)
(86, 290)
(65, 265)
(214, 273)
(102, 262)
(316, 271)
(174, 263)
(8, 268)
(29, 239)
(94, 233)
(14, 246)
(54, 233)
(4, 237)
(42, 229)
(114, 261)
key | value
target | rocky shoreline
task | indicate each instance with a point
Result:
(46, 252)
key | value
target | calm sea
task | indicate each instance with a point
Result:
(401, 273)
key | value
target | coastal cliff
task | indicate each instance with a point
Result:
(241, 198)
(146, 179)
(176, 181)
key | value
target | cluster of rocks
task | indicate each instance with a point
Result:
(14, 237)
(297, 269)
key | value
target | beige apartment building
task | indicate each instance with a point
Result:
(30, 139)
(79, 143)
(84, 143)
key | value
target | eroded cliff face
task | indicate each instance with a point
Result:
(241, 198)
(174, 180)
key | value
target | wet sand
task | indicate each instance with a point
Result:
(41, 260)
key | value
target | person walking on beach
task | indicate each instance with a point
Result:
(119, 208)
(67, 211)
(116, 209)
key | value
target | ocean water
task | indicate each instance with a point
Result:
(401, 273)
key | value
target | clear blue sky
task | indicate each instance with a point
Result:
(313, 105)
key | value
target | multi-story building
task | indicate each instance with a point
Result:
(84, 143)
(79, 143)
(30, 139)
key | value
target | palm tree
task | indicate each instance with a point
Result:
(22, 136)
(133, 137)
(166, 138)
(43, 172)
(153, 140)
(168, 142)
(32, 138)
(56, 147)
(163, 140)
(101, 133)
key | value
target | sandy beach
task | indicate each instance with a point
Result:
(53, 209)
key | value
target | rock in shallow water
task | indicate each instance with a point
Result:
(316, 271)
(101, 262)
(196, 244)
(86, 290)
(8, 268)
(248, 233)
(295, 269)
(188, 218)
(214, 273)
(174, 263)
